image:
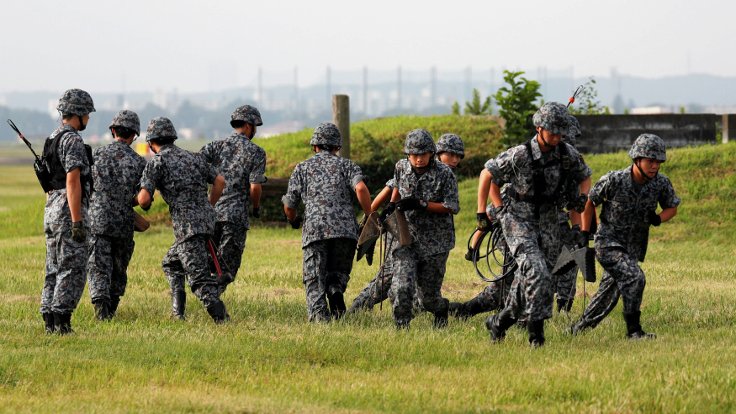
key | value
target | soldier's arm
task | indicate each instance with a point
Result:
(364, 197)
(668, 213)
(588, 216)
(484, 188)
(217, 186)
(144, 199)
(381, 198)
(255, 194)
(74, 194)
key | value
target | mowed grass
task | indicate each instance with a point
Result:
(269, 359)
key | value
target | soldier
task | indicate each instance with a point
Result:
(182, 179)
(243, 164)
(629, 198)
(324, 183)
(116, 173)
(426, 190)
(537, 173)
(68, 160)
(450, 150)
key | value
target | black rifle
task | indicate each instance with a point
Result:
(39, 166)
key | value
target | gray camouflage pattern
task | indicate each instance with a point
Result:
(248, 114)
(188, 260)
(648, 146)
(419, 141)
(127, 119)
(573, 131)
(242, 163)
(325, 183)
(72, 155)
(553, 117)
(182, 179)
(326, 270)
(326, 133)
(420, 277)
(107, 267)
(229, 239)
(624, 218)
(450, 143)
(431, 233)
(76, 102)
(160, 127)
(378, 288)
(564, 284)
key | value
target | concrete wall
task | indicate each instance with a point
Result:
(611, 133)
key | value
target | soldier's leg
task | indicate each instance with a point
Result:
(70, 278)
(123, 251)
(315, 281)
(565, 289)
(430, 274)
(49, 284)
(175, 274)
(100, 267)
(340, 255)
(195, 261)
(602, 303)
(230, 245)
(402, 285)
(630, 282)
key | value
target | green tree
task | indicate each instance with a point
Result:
(516, 102)
(587, 103)
(455, 108)
(475, 107)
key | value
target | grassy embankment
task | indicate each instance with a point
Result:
(270, 359)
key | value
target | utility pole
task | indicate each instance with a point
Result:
(341, 118)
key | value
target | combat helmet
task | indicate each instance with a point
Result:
(127, 119)
(648, 146)
(451, 143)
(248, 114)
(552, 116)
(327, 134)
(419, 141)
(160, 128)
(573, 130)
(76, 102)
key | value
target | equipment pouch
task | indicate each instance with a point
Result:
(43, 175)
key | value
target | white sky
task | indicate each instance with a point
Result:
(144, 45)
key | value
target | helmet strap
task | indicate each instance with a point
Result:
(646, 177)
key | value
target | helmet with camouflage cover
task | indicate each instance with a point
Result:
(451, 143)
(248, 114)
(160, 127)
(127, 119)
(573, 130)
(648, 146)
(419, 141)
(326, 133)
(76, 102)
(552, 116)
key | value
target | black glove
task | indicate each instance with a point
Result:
(386, 212)
(484, 223)
(582, 238)
(408, 204)
(654, 219)
(296, 223)
(79, 233)
(256, 212)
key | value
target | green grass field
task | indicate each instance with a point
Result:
(269, 359)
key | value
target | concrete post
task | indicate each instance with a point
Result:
(341, 118)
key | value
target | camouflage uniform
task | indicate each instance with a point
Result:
(621, 240)
(242, 163)
(116, 173)
(325, 183)
(421, 265)
(182, 178)
(530, 221)
(65, 257)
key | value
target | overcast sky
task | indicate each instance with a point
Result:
(145, 45)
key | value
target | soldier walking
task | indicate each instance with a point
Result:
(116, 173)
(325, 183)
(629, 198)
(65, 215)
(182, 179)
(243, 165)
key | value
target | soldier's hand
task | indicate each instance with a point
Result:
(386, 212)
(79, 233)
(654, 219)
(256, 212)
(582, 238)
(484, 222)
(296, 223)
(408, 204)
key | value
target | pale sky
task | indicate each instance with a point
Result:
(145, 45)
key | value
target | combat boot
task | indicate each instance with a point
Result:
(178, 304)
(579, 327)
(498, 324)
(536, 333)
(440, 318)
(336, 302)
(402, 325)
(63, 323)
(48, 320)
(564, 305)
(102, 310)
(218, 312)
(113, 305)
(633, 327)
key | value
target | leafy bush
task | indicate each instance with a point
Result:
(516, 103)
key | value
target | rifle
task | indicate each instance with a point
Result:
(39, 165)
